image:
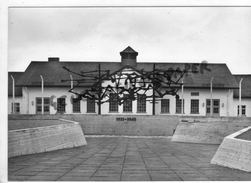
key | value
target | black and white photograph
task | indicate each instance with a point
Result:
(127, 91)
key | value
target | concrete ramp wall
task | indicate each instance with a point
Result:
(47, 138)
(234, 152)
(207, 132)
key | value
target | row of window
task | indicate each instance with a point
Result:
(113, 105)
(61, 105)
(127, 106)
(141, 104)
(165, 106)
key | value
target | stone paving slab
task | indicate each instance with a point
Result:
(124, 159)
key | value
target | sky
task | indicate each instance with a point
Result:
(158, 34)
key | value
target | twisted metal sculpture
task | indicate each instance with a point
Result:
(160, 81)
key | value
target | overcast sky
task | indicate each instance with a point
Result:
(171, 34)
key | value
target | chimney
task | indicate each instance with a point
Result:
(53, 59)
(129, 57)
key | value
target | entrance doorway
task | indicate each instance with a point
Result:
(216, 107)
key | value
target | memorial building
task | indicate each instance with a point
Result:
(204, 89)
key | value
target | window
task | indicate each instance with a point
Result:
(215, 107)
(178, 106)
(165, 105)
(125, 56)
(16, 108)
(141, 103)
(132, 56)
(113, 102)
(46, 105)
(243, 110)
(127, 106)
(76, 105)
(61, 105)
(194, 106)
(90, 106)
(194, 93)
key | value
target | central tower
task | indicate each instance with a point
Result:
(129, 57)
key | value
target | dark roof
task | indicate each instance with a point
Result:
(128, 50)
(245, 86)
(53, 73)
(18, 89)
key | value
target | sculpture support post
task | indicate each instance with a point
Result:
(240, 107)
(42, 91)
(211, 99)
(153, 89)
(182, 97)
(13, 94)
(71, 81)
(100, 90)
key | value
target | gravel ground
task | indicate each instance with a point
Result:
(245, 136)
(22, 124)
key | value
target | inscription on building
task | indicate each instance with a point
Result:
(125, 119)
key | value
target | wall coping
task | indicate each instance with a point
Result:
(68, 121)
(234, 135)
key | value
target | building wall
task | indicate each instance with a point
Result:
(53, 93)
(244, 101)
(224, 95)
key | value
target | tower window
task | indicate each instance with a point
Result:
(132, 56)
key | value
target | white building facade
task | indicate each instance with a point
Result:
(203, 84)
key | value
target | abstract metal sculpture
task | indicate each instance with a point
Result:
(129, 81)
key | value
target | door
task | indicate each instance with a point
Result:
(216, 107)
(61, 105)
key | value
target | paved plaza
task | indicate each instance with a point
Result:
(124, 159)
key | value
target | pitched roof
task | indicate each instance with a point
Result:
(53, 73)
(245, 86)
(128, 50)
(18, 89)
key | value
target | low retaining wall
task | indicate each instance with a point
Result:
(234, 152)
(130, 125)
(202, 130)
(42, 139)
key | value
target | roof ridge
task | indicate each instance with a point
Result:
(128, 50)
